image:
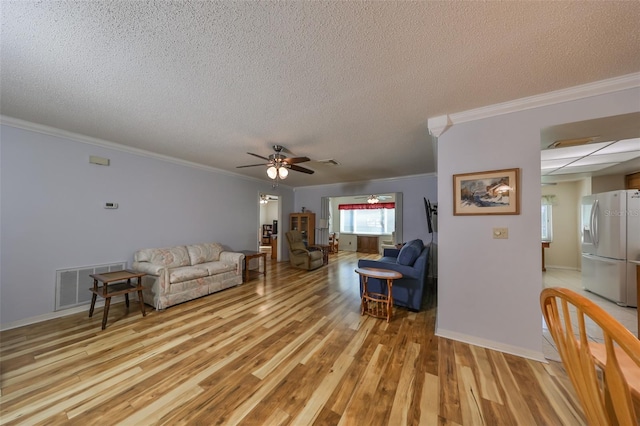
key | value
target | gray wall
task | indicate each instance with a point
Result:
(488, 289)
(52, 214)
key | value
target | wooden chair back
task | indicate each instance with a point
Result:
(604, 375)
(333, 243)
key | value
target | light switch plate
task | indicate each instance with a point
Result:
(500, 233)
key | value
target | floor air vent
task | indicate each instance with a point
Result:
(72, 285)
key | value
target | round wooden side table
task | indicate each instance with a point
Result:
(377, 304)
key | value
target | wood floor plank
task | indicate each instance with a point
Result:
(472, 407)
(531, 389)
(429, 401)
(290, 348)
(512, 395)
(402, 401)
(448, 380)
(485, 375)
(364, 397)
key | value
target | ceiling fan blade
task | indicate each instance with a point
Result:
(252, 165)
(295, 160)
(301, 169)
(259, 156)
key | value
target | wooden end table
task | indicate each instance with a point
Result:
(248, 255)
(115, 284)
(377, 304)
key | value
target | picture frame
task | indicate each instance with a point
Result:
(487, 193)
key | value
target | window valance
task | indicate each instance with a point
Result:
(366, 206)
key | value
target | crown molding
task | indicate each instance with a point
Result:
(596, 88)
(438, 125)
(77, 137)
(343, 185)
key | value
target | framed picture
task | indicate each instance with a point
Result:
(492, 192)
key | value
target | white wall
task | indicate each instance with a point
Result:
(563, 251)
(53, 217)
(488, 289)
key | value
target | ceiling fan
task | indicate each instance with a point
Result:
(374, 199)
(278, 164)
(264, 198)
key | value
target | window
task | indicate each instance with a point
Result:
(547, 234)
(363, 221)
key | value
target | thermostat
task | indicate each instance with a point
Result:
(110, 205)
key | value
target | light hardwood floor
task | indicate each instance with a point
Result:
(287, 349)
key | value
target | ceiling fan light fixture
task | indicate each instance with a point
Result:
(272, 172)
(373, 199)
(283, 172)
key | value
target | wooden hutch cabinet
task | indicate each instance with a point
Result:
(306, 224)
(267, 230)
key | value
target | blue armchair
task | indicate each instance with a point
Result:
(412, 261)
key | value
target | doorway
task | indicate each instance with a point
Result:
(578, 159)
(268, 225)
(385, 225)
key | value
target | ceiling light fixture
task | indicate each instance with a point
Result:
(277, 171)
(573, 142)
(263, 199)
(373, 199)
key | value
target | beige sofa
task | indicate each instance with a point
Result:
(181, 273)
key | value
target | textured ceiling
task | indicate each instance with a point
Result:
(351, 81)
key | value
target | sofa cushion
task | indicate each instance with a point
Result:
(171, 257)
(187, 273)
(410, 252)
(214, 268)
(201, 253)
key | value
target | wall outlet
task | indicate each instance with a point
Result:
(500, 233)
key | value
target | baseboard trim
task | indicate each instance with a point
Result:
(565, 268)
(63, 313)
(490, 344)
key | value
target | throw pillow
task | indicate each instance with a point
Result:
(409, 253)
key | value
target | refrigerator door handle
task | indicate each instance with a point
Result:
(594, 223)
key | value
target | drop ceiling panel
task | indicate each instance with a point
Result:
(582, 169)
(608, 158)
(622, 146)
(571, 152)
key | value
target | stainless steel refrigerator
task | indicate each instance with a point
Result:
(610, 228)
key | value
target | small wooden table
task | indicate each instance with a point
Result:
(376, 304)
(248, 255)
(113, 285)
(545, 244)
(325, 252)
